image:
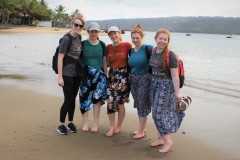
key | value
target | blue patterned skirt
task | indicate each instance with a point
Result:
(94, 90)
(140, 87)
(163, 102)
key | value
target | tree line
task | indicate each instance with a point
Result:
(28, 11)
(210, 25)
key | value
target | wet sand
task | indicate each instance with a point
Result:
(29, 119)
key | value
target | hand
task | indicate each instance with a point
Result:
(179, 98)
(60, 82)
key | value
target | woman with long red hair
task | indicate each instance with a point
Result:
(164, 91)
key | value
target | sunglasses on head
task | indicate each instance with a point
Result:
(78, 25)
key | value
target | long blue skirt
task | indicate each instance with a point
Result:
(163, 102)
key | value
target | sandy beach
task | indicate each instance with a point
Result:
(29, 116)
(36, 30)
(29, 120)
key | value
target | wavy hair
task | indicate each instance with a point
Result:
(137, 29)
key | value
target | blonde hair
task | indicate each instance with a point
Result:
(165, 50)
(137, 29)
(78, 16)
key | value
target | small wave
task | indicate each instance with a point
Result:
(222, 91)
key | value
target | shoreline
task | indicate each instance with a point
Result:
(219, 91)
(37, 30)
(29, 120)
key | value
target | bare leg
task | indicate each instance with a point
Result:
(167, 143)
(96, 112)
(141, 130)
(121, 115)
(158, 142)
(135, 132)
(112, 124)
(85, 122)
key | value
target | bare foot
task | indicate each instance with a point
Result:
(136, 132)
(166, 148)
(94, 129)
(110, 132)
(158, 142)
(117, 130)
(85, 128)
(138, 136)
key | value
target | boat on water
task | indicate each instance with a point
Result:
(229, 36)
(188, 34)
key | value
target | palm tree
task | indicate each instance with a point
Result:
(60, 9)
(60, 15)
(73, 13)
(6, 8)
(44, 3)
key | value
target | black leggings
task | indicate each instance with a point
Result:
(70, 90)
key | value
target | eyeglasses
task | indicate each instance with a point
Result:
(78, 25)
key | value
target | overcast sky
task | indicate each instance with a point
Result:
(115, 9)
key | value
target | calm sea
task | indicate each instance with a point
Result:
(212, 62)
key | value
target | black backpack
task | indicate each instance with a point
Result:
(66, 58)
(148, 55)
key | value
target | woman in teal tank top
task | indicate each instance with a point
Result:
(139, 78)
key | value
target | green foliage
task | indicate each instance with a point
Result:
(44, 3)
(33, 9)
(36, 22)
(7, 7)
(73, 13)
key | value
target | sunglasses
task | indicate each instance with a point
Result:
(78, 25)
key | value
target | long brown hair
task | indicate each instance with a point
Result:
(165, 50)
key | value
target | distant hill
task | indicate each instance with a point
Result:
(211, 25)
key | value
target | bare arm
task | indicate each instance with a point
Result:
(175, 80)
(60, 68)
(105, 65)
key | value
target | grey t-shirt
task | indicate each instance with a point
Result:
(74, 52)
(156, 60)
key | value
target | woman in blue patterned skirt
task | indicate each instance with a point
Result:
(164, 90)
(139, 78)
(93, 92)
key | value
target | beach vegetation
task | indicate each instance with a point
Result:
(23, 11)
(36, 22)
(59, 17)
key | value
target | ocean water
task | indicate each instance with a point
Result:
(211, 61)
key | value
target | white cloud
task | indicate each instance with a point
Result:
(114, 9)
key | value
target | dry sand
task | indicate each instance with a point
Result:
(36, 30)
(28, 132)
